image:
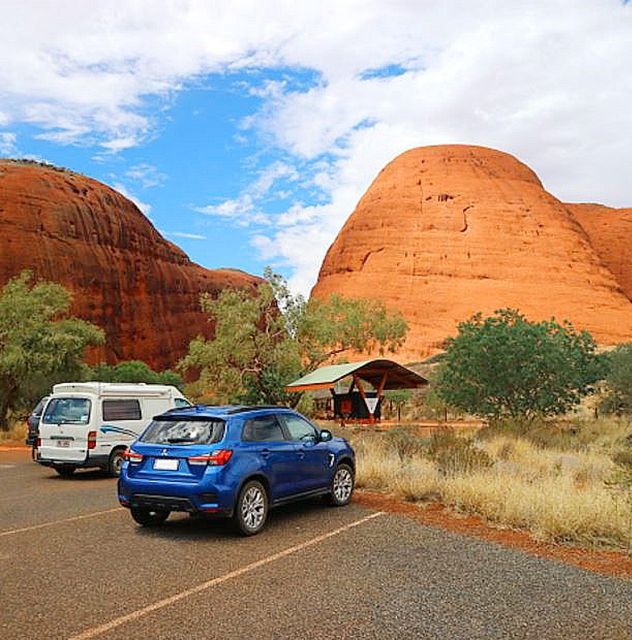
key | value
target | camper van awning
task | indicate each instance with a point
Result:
(385, 373)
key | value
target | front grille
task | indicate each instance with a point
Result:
(168, 503)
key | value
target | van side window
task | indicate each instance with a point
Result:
(181, 402)
(262, 429)
(128, 409)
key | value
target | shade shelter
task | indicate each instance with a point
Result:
(358, 402)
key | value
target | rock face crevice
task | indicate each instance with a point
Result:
(526, 249)
(140, 288)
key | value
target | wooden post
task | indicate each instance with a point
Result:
(358, 384)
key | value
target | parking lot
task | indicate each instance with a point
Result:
(73, 565)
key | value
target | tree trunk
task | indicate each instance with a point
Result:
(6, 400)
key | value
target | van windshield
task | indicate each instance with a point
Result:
(68, 411)
(183, 432)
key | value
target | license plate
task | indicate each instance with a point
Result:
(170, 464)
(63, 443)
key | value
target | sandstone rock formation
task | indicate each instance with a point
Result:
(610, 234)
(446, 231)
(143, 290)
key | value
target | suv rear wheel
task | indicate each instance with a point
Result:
(251, 510)
(149, 517)
(342, 486)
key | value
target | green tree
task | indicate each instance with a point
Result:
(505, 366)
(37, 342)
(267, 339)
(134, 371)
(618, 397)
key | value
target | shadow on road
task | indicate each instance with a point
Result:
(185, 527)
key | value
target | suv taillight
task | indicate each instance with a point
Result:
(39, 443)
(214, 459)
(132, 457)
(92, 439)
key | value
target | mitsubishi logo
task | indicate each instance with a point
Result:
(164, 452)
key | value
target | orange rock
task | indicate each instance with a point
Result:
(143, 290)
(446, 231)
(610, 234)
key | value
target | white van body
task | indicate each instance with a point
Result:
(90, 424)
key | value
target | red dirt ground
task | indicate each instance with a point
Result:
(610, 563)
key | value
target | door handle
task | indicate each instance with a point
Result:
(301, 454)
(265, 453)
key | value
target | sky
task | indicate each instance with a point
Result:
(248, 131)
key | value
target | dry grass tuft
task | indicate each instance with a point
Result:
(15, 435)
(574, 493)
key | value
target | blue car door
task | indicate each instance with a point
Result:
(264, 437)
(314, 459)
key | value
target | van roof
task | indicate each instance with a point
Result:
(117, 389)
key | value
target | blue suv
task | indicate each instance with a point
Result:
(232, 461)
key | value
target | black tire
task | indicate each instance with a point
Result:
(65, 470)
(251, 509)
(147, 517)
(115, 462)
(342, 485)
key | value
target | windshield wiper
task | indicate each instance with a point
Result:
(180, 440)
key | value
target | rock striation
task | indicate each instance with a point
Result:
(140, 288)
(447, 231)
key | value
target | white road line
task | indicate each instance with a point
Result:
(93, 632)
(12, 532)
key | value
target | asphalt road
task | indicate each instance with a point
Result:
(74, 565)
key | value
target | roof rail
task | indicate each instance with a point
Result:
(254, 407)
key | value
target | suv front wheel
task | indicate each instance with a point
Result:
(251, 510)
(342, 486)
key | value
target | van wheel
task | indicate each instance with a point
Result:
(115, 463)
(251, 510)
(342, 486)
(149, 517)
(65, 470)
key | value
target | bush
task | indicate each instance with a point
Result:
(504, 366)
(453, 454)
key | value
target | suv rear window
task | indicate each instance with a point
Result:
(128, 409)
(183, 432)
(68, 411)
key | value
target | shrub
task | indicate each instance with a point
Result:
(453, 454)
(504, 366)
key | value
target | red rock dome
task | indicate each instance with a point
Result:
(126, 278)
(447, 231)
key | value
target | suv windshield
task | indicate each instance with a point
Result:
(68, 411)
(183, 432)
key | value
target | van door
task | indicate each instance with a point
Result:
(64, 428)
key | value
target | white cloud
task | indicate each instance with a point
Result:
(245, 210)
(7, 144)
(547, 80)
(146, 175)
(186, 236)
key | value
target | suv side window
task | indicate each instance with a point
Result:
(299, 429)
(262, 429)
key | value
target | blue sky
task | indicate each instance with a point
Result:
(248, 132)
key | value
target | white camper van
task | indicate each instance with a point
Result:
(90, 424)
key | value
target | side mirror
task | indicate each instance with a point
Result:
(326, 436)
